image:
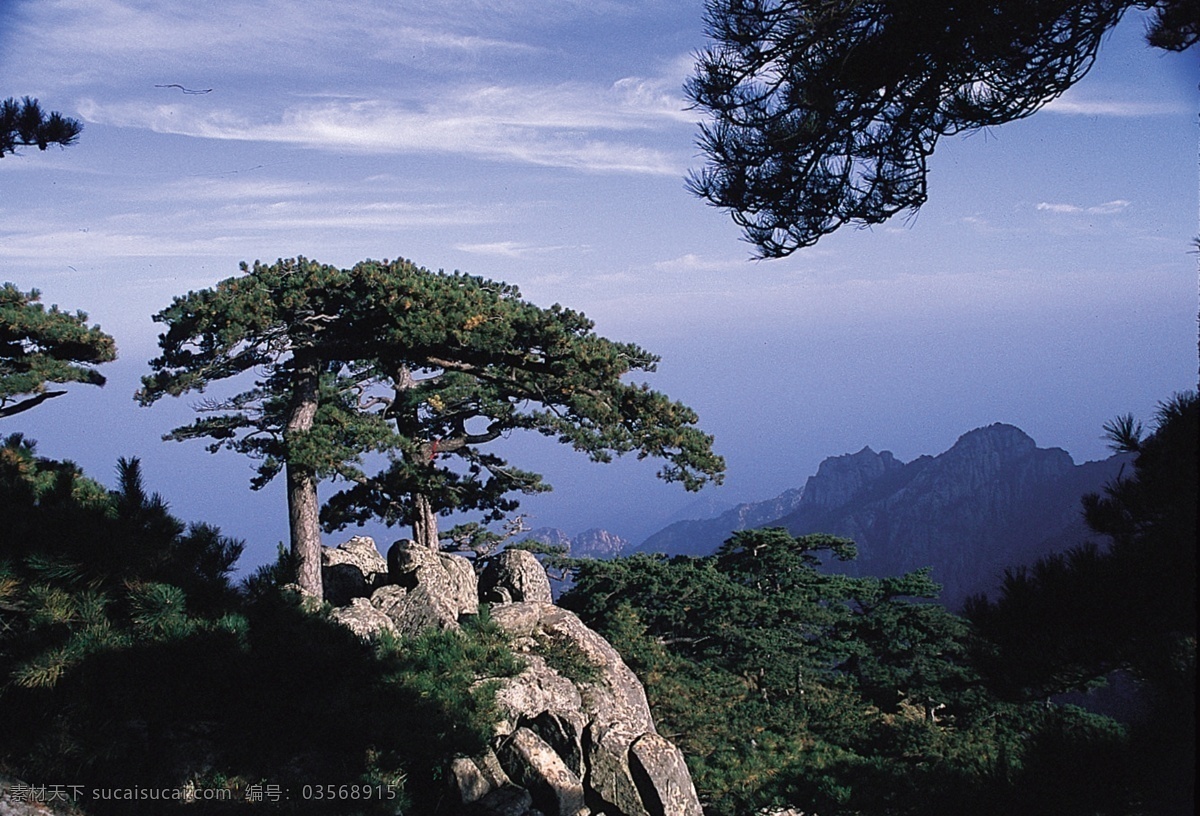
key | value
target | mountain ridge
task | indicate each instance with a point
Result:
(991, 501)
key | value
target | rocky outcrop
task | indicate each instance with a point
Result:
(353, 569)
(364, 619)
(575, 735)
(434, 589)
(578, 699)
(839, 478)
(514, 575)
(597, 543)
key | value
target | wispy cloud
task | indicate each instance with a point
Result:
(693, 263)
(562, 125)
(508, 249)
(1113, 107)
(1107, 208)
(221, 230)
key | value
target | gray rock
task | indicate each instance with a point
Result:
(603, 720)
(534, 764)
(662, 777)
(537, 690)
(363, 619)
(606, 751)
(474, 778)
(433, 589)
(353, 569)
(514, 575)
(507, 801)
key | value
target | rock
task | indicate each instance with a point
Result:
(536, 690)
(599, 726)
(514, 575)
(662, 777)
(575, 736)
(534, 764)
(363, 619)
(507, 801)
(597, 543)
(606, 751)
(353, 569)
(433, 589)
(473, 779)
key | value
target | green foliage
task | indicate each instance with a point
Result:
(789, 686)
(24, 124)
(427, 366)
(39, 346)
(1070, 620)
(824, 112)
(138, 665)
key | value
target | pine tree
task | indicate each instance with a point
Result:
(24, 124)
(39, 346)
(427, 366)
(825, 112)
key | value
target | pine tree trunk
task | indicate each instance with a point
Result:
(303, 508)
(424, 523)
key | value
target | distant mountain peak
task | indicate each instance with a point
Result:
(999, 437)
(838, 478)
(993, 500)
(593, 543)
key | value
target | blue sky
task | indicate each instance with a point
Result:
(1049, 282)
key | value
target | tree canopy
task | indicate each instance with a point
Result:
(824, 113)
(789, 686)
(1130, 605)
(428, 366)
(24, 124)
(40, 346)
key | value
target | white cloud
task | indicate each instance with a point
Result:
(1113, 107)
(233, 229)
(692, 263)
(508, 249)
(1107, 208)
(561, 126)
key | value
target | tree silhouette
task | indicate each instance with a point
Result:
(824, 112)
(24, 124)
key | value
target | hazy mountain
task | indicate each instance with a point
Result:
(593, 543)
(993, 500)
(703, 536)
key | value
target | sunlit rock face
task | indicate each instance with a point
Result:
(514, 575)
(575, 735)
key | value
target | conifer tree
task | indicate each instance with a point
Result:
(427, 366)
(40, 346)
(24, 124)
(824, 112)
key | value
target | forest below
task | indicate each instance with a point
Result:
(132, 660)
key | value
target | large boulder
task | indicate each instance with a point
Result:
(575, 736)
(537, 767)
(579, 699)
(363, 619)
(431, 589)
(514, 575)
(353, 569)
